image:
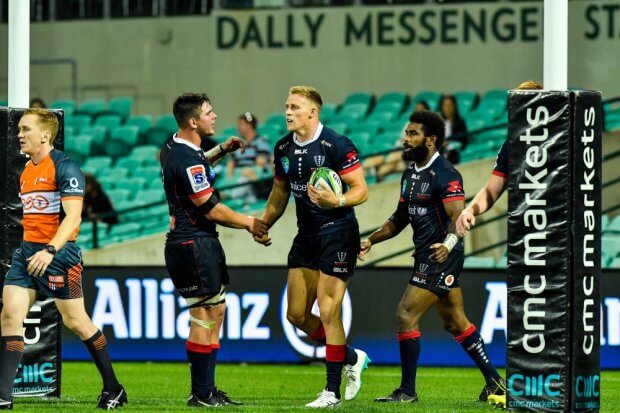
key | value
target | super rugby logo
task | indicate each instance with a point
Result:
(341, 256)
(319, 160)
(425, 187)
(285, 164)
(198, 178)
(299, 340)
(423, 267)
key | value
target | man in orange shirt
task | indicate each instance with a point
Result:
(48, 262)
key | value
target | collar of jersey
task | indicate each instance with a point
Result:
(185, 142)
(315, 137)
(430, 162)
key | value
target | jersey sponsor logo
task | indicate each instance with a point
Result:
(74, 184)
(319, 160)
(329, 145)
(420, 211)
(454, 186)
(351, 156)
(449, 280)
(298, 189)
(41, 203)
(39, 179)
(55, 281)
(286, 164)
(198, 178)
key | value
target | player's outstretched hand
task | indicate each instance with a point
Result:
(264, 240)
(258, 228)
(440, 254)
(365, 246)
(464, 222)
(233, 143)
(323, 198)
(38, 263)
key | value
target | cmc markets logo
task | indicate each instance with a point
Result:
(299, 340)
(537, 392)
(34, 373)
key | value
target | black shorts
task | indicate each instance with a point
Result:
(62, 278)
(197, 267)
(333, 254)
(438, 278)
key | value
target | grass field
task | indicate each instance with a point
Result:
(265, 388)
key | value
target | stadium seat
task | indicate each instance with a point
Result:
(340, 127)
(479, 262)
(359, 97)
(134, 184)
(228, 131)
(614, 264)
(125, 230)
(372, 127)
(67, 105)
(328, 110)
(149, 172)
(430, 97)
(91, 106)
(118, 172)
(360, 139)
(396, 127)
(394, 108)
(121, 106)
(145, 153)
(109, 122)
(399, 98)
(278, 119)
(155, 184)
(502, 262)
(96, 164)
(613, 227)
(4, 103)
(121, 141)
(79, 145)
(270, 131)
(355, 110)
(106, 182)
(77, 122)
(611, 245)
(157, 136)
(155, 226)
(117, 196)
(149, 196)
(142, 122)
(129, 163)
(382, 117)
(604, 222)
(465, 101)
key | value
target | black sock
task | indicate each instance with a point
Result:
(472, 343)
(211, 362)
(198, 356)
(350, 357)
(409, 343)
(97, 346)
(334, 359)
(11, 352)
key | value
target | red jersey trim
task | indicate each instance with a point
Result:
(452, 199)
(350, 169)
(201, 193)
(498, 173)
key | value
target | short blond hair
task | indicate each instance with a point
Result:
(46, 119)
(530, 85)
(308, 92)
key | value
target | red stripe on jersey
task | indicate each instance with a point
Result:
(498, 173)
(349, 169)
(281, 178)
(201, 193)
(454, 198)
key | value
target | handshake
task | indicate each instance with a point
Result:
(260, 231)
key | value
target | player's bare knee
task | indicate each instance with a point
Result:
(10, 320)
(297, 319)
(404, 316)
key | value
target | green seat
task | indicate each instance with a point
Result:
(613, 227)
(78, 122)
(370, 126)
(121, 106)
(360, 138)
(614, 264)
(399, 98)
(430, 97)
(99, 138)
(167, 122)
(107, 182)
(155, 184)
(340, 127)
(382, 143)
(117, 196)
(611, 244)
(465, 101)
(91, 106)
(479, 262)
(234, 203)
(145, 153)
(397, 127)
(359, 97)
(391, 107)
(109, 122)
(357, 110)
(496, 94)
(128, 163)
(142, 122)
(125, 230)
(148, 196)
(502, 262)
(155, 227)
(96, 164)
(348, 117)
(69, 131)
(134, 184)
(157, 136)
(328, 111)
(4, 103)
(228, 131)
(271, 131)
(67, 105)
(382, 117)
(604, 222)
(149, 172)
(79, 145)
(278, 120)
(122, 140)
(117, 172)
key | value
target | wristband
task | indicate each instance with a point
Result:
(341, 201)
(215, 151)
(450, 241)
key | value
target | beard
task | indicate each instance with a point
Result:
(416, 154)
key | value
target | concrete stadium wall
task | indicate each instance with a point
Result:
(246, 60)
(241, 250)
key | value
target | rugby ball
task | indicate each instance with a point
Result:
(326, 179)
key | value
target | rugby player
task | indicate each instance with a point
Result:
(194, 256)
(48, 262)
(431, 198)
(323, 256)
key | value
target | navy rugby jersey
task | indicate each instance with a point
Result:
(501, 163)
(423, 192)
(294, 162)
(187, 175)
